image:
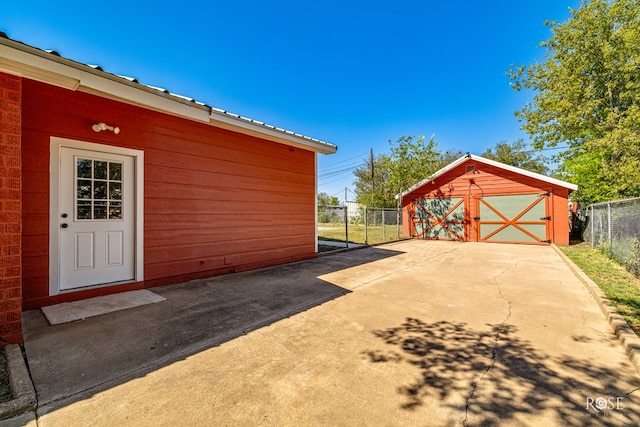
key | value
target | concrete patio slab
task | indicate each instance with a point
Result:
(409, 333)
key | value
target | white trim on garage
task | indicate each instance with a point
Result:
(493, 163)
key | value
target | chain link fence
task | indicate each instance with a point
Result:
(614, 227)
(351, 225)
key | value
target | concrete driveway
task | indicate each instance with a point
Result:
(410, 333)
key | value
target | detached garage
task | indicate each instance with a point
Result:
(479, 200)
(110, 185)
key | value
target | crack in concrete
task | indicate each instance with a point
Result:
(494, 351)
(632, 391)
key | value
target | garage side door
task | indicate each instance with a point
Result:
(439, 219)
(513, 219)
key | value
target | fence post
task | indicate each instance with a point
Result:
(398, 224)
(609, 226)
(366, 239)
(383, 212)
(346, 223)
(592, 231)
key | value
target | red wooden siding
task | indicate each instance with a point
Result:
(215, 201)
(11, 266)
(488, 180)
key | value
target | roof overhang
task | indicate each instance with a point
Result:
(26, 61)
(479, 159)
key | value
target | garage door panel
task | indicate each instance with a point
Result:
(439, 218)
(486, 229)
(535, 229)
(513, 218)
(512, 234)
(536, 213)
(453, 231)
(489, 215)
(508, 206)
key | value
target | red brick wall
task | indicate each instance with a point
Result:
(10, 209)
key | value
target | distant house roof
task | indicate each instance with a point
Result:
(493, 163)
(50, 67)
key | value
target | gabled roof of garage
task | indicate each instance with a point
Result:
(479, 159)
(48, 66)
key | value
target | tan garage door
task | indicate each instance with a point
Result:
(439, 219)
(514, 219)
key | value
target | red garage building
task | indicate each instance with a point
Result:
(109, 185)
(479, 200)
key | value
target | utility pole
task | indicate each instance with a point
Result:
(346, 218)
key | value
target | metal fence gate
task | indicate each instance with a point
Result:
(355, 224)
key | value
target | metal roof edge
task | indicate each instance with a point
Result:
(225, 119)
(433, 176)
(525, 172)
(84, 70)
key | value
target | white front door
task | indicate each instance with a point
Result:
(97, 218)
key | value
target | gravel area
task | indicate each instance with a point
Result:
(5, 388)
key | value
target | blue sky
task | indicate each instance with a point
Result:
(356, 74)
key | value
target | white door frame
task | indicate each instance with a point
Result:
(54, 207)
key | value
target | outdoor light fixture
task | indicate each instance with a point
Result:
(98, 127)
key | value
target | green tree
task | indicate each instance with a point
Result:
(411, 160)
(518, 154)
(587, 98)
(372, 182)
(326, 200)
(448, 157)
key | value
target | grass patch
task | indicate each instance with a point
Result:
(618, 284)
(375, 234)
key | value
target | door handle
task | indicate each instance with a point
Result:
(64, 225)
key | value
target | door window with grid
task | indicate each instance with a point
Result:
(98, 189)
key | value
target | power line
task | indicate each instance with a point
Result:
(339, 171)
(541, 149)
(350, 158)
(340, 166)
(334, 170)
(330, 182)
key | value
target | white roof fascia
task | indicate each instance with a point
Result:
(496, 164)
(525, 172)
(251, 127)
(20, 63)
(434, 176)
(26, 61)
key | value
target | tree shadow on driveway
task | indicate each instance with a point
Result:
(492, 376)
